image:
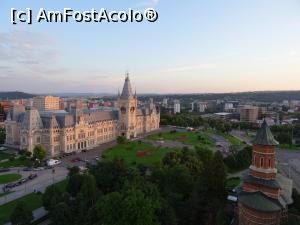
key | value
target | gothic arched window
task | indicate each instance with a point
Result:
(123, 110)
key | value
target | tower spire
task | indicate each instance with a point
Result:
(127, 90)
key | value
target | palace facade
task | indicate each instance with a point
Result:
(61, 131)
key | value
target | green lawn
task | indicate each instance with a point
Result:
(232, 183)
(15, 163)
(4, 156)
(190, 138)
(62, 184)
(128, 152)
(232, 140)
(289, 147)
(33, 201)
(10, 177)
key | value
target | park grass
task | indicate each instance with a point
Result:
(10, 177)
(289, 147)
(231, 139)
(232, 183)
(15, 163)
(128, 151)
(33, 201)
(4, 156)
(189, 138)
(62, 185)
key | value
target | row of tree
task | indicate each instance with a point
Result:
(2, 136)
(188, 188)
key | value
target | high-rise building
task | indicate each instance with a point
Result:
(265, 194)
(249, 113)
(165, 102)
(46, 103)
(176, 106)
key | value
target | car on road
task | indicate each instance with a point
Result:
(32, 176)
(75, 160)
(53, 162)
(4, 170)
(27, 169)
(39, 168)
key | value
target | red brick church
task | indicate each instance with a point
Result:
(265, 194)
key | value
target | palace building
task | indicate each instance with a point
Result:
(265, 194)
(79, 128)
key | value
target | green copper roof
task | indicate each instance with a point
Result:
(264, 136)
(259, 201)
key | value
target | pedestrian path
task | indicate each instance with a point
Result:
(37, 214)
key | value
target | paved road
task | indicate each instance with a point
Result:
(37, 214)
(43, 180)
(221, 144)
(288, 161)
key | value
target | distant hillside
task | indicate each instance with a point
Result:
(14, 95)
(260, 96)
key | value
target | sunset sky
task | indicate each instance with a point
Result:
(195, 46)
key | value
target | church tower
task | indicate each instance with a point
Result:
(127, 103)
(265, 194)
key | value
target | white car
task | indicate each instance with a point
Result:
(53, 162)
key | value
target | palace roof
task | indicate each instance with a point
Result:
(127, 91)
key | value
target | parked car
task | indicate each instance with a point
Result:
(97, 158)
(39, 168)
(4, 170)
(32, 176)
(75, 160)
(84, 150)
(27, 169)
(52, 162)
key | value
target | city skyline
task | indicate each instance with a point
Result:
(222, 47)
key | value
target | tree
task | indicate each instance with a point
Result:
(52, 197)
(209, 194)
(2, 136)
(61, 214)
(21, 215)
(39, 153)
(134, 204)
(109, 175)
(121, 140)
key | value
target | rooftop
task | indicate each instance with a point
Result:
(264, 136)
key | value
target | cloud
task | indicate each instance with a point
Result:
(27, 57)
(189, 68)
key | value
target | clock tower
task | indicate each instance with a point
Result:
(127, 103)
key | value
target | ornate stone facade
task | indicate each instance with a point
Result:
(61, 132)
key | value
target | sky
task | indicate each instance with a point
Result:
(195, 46)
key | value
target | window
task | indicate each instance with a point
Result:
(261, 162)
(270, 163)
